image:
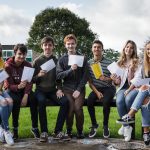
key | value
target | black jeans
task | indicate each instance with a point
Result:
(63, 102)
(17, 98)
(108, 94)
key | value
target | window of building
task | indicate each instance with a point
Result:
(10, 53)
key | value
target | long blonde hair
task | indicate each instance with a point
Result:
(146, 61)
(123, 58)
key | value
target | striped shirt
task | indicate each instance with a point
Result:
(97, 82)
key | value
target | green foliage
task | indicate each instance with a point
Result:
(58, 23)
(52, 112)
(111, 54)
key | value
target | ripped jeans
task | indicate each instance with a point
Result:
(145, 108)
(5, 111)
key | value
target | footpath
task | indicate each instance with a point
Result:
(74, 144)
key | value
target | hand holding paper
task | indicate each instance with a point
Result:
(115, 69)
(74, 67)
(3, 75)
(22, 84)
(139, 82)
(97, 70)
(42, 73)
(76, 59)
(27, 74)
(49, 65)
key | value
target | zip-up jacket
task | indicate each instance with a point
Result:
(72, 79)
(15, 74)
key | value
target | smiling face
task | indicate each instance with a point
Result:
(97, 50)
(71, 46)
(147, 59)
(20, 57)
(47, 48)
(129, 48)
(147, 50)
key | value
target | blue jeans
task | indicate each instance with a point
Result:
(63, 102)
(5, 111)
(138, 101)
(124, 102)
(145, 109)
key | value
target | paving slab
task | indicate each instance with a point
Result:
(74, 144)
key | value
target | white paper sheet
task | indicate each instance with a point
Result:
(76, 59)
(27, 74)
(3, 75)
(49, 65)
(114, 68)
(145, 81)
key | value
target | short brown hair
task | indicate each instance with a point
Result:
(47, 39)
(96, 41)
(20, 47)
(69, 37)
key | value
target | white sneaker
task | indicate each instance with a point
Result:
(2, 139)
(127, 133)
(8, 138)
(121, 130)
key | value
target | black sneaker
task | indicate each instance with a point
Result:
(146, 138)
(80, 136)
(58, 136)
(93, 131)
(15, 133)
(126, 119)
(35, 132)
(44, 137)
(106, 132)
(67, 137)
(68, 134)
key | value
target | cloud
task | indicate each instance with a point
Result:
(119, 20)
(13, 24)
(114, 21)
(72, 7)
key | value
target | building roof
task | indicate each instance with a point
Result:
(8, 47)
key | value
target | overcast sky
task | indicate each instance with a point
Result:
(115, 21)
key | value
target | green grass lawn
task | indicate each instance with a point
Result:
(25, 121)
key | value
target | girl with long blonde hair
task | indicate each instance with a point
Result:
(142, 99)
(128, 62)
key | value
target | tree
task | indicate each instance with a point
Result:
(111, 54)
(58, 23)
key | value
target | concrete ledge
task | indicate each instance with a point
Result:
(74, 144)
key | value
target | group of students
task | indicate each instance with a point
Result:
(65, 85)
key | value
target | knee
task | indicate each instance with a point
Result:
(144, 87)
(9, 101)
(78, 109)
(119, 102)
(128, 100)
(64, 102)
(106, 104)
(70, 111)
(146, 100)
(3, 102)
(41, 101)
(90, 102)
